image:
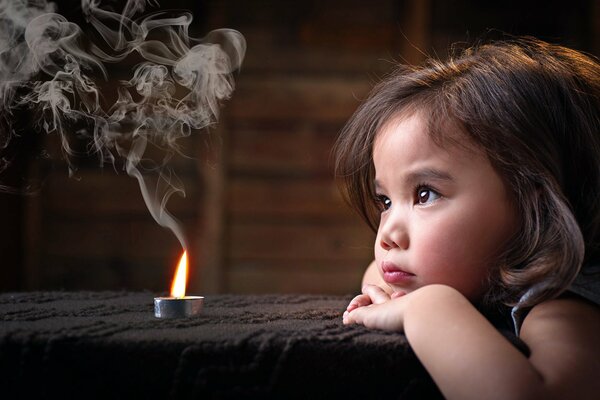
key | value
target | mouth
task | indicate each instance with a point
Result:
(394, 275)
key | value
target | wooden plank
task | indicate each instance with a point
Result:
(10, 241)
(416, 23)
(339, 278)
(595, 27)
(315, 60)
(299, 241)
(103, 239)
(283, 150)
(296, 98)
(119, 273)
(32, 235)
(352, 36)
(290, 198)
(334, 24)
(210, 245)
(102, 194)
(86, 158)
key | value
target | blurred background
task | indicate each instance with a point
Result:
(262, 212)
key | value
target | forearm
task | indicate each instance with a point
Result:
(465, 355)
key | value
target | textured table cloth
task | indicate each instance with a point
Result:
(109, 345)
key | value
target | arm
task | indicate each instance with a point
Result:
(563, 336)
(466, 356)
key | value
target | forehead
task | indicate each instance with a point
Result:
(406, 142)
(414, 128)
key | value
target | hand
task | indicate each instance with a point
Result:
(371, 294)
(375, 308)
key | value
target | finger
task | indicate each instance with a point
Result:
(350, 317)
(377, 294)
(359, 301)
(356, 316)
(395, 295)
(345, 318)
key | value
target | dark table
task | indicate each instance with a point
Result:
(109, 345)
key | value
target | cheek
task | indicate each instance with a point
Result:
(471, 234)
(453, 267)
(378, 250)
(436, 252)
(456, 253)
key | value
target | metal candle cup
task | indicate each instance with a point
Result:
(178, 307)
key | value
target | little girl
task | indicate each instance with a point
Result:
(481, 176)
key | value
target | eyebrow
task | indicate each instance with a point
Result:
(423, 174)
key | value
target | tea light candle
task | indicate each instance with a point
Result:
(178, 305)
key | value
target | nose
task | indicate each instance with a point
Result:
(393, 233)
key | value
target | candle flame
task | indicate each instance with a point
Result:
(180, 279)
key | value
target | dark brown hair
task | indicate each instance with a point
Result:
(534, 108)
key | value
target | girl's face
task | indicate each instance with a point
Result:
(445, 212)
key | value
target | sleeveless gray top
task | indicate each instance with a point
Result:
(586, 285)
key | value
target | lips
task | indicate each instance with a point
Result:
(392, 274)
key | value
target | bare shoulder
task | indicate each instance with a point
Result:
(564, 338)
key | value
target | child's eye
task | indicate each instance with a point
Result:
(426, 195)
(383, 202)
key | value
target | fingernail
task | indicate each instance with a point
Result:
(345, 317)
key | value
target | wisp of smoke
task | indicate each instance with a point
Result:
(45, 65)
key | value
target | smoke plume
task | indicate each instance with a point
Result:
(50, 65)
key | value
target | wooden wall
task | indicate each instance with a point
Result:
(262, 209)
(284, 226)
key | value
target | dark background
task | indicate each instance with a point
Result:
(262, 212)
